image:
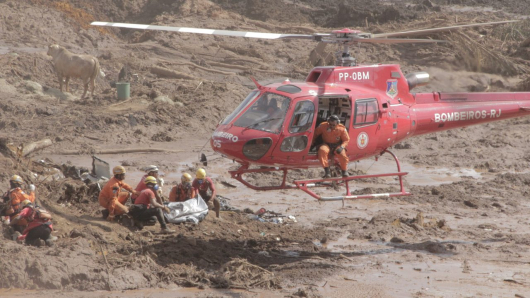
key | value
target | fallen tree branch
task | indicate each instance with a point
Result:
(194, 65)
(108, 266)
(120, 151)
(121, 102)
(26, 149)
(165, 72)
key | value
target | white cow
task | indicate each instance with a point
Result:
(69, 65)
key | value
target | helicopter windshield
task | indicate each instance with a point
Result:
(240, 107)
(266, 114)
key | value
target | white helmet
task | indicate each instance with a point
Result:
(151, 168)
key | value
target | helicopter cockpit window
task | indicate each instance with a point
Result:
(366, 111)
(302, 117)
(241, 106)
(294, 144)
(266, 114)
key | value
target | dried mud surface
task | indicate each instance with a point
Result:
(464, 237)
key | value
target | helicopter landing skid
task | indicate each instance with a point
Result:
(306, 184)
(238, 175)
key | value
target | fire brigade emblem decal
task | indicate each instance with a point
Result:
(362, 140)
(391, 88)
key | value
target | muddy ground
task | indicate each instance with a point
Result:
(463, 232)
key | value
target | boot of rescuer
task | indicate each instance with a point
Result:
(50, 241)
(327, 173)
(39, 242)
(167, 231)
(105, 213)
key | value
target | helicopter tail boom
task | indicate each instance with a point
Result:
(441, 111)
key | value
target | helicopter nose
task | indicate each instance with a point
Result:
(224, 142)
(241, 148)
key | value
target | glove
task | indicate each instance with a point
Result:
(339, 150)
(31, 187)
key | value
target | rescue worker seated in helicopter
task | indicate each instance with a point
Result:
(182, 191)
(115, 194)
(151, 170)
(205, 187)
(13, 197)
(146, 206)
(335, 139)
(39, 228)
(272, 107)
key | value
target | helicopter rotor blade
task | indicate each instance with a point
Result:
(262, 35)
(435, 30)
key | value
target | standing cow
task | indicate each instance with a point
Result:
(69, 65)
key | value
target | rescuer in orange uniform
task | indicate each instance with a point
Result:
(183, 191)
(13, 199)
(335, 139)
(113, 197)
(15, 195)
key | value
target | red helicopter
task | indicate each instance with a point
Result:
(273, 127)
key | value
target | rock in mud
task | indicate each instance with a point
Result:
(60, 95)
(33, 87)
(6, 87)
(396, 240)
(164, 99)
(403, 146)
(75, 233)
(471, 203)
(435, 191)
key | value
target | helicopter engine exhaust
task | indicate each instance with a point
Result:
(416, 79)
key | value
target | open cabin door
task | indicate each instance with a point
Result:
(339, 105)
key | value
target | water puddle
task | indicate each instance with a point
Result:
(424, 176)
(345, 245)
(291, 254)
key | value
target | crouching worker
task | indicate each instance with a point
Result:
(146, 206)
(15, 195)
(151, 170)
(205, 187)
(336, 139)
(115, 194)
(182, 191)
(13, 199)
(39, 229)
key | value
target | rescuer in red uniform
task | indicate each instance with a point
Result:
(206, 188)
(335, 139)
